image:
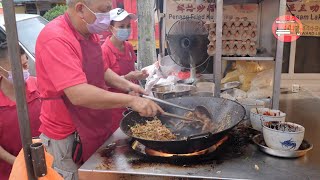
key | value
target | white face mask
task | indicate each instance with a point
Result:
(101, 24)
(26, 75)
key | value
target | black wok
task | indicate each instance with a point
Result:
(226, 115)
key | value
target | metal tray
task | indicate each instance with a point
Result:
(171, 91)
(303, 149)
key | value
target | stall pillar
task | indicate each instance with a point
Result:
(19, 85)
(146, 33)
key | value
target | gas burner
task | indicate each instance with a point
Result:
(138, 147)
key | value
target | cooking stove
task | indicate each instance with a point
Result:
(138, 155)
(124, 157)
(142, 149)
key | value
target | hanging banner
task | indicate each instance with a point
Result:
(308, 12)
(205, 11)
(185, 9)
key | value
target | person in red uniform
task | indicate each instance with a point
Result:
(72, 77)
(119, 55)
(10, 142)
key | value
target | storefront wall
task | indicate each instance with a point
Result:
(302, 63)
(301, 60)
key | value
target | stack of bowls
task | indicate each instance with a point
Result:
(260, 115)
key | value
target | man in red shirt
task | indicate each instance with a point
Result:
(72, 81)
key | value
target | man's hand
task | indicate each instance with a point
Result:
(136, 75)
(121, 83)
(135, 89)
(145, 107)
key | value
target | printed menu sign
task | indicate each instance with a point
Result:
(308, 12)
(205, 11)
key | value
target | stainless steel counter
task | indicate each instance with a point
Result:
(301, 108)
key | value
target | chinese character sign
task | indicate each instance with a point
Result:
(308, 12)
(184, 9)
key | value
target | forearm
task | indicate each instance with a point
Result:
(92, 97)
(117, 81)
(6, 156)
(128, 77)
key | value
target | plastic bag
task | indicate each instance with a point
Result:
(150, 83)
(248, 73)
(247, 67)
(261, 85)
(259, 93)
(151, 70)
(263, 79)
(169, 80)
(168, 66)
(231, 76)
(265, 66)
(234, 94)
(245, 80)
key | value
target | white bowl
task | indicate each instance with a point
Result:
(283, 135)
(257, 117)
(248, 104)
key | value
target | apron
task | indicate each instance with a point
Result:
(93, 126)
(9, 129)
(125, 66)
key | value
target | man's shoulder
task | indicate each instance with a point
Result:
(56, 29)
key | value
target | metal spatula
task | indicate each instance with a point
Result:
(179, 117)
(198, 109)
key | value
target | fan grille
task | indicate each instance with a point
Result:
(187, 42)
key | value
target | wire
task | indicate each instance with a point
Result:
(206, 66)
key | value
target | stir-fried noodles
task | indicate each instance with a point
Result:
(152, 130)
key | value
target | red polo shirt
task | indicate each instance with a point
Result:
(119, 62)
(58, 66)
(9, 125)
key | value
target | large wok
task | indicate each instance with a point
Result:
(226, 115)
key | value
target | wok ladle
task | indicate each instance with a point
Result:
(199, 109)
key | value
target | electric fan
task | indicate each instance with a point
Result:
(187, 42)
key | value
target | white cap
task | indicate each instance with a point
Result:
(119, 14)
